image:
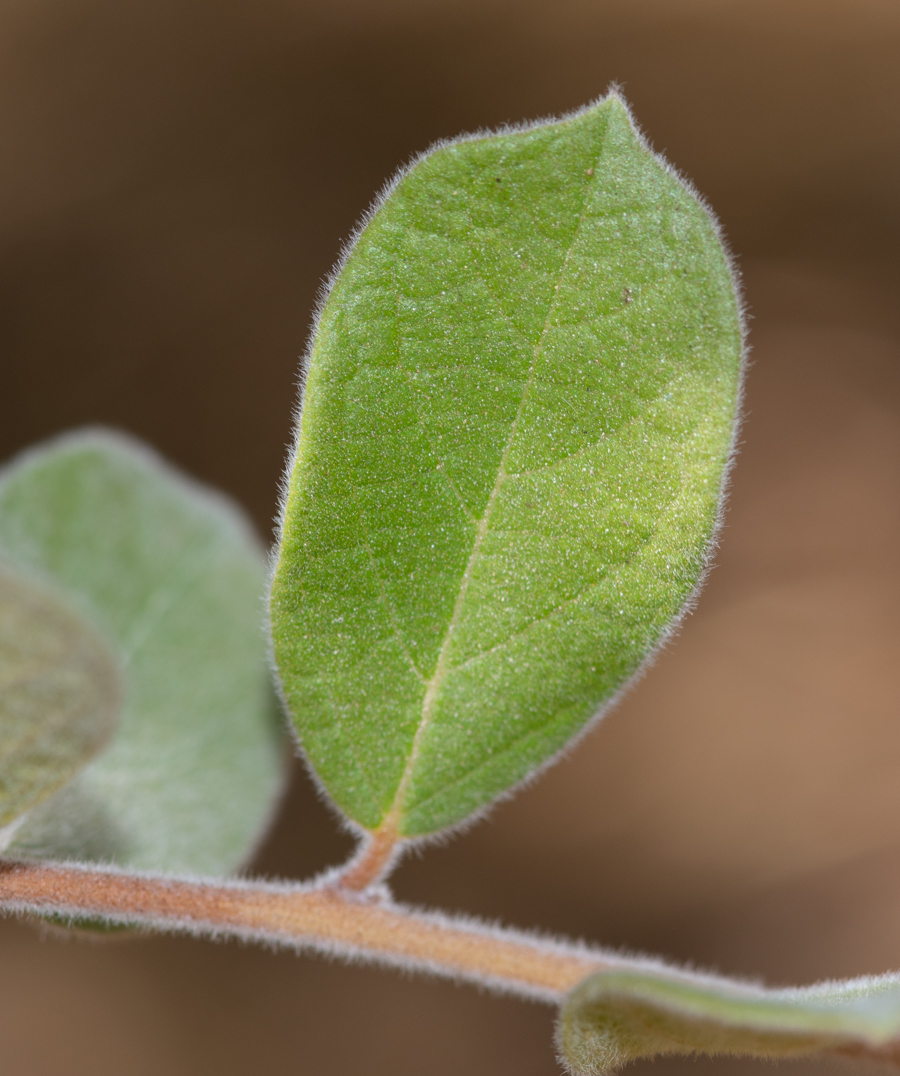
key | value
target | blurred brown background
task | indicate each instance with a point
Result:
(177, 176)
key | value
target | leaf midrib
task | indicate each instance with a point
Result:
(393, 815)
(537, 729)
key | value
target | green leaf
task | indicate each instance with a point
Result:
(60, 695)
(517, 415)
(171, 575)
(615, 1017)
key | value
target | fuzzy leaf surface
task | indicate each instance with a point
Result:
(517, 413)
(60, 694)
(615, 1017)
(171, 576)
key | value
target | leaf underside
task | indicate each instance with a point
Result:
(171, 577)
(517, 413)
(60, 695)
(615, 1017)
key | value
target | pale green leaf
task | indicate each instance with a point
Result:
(517, 414)
(615, 1017)
(171, 575)
(60, 694)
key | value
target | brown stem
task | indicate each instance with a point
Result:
(323, 918)
(372, 863)
(327, 919)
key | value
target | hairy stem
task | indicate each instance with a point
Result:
(373, 862)
(321, 917)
